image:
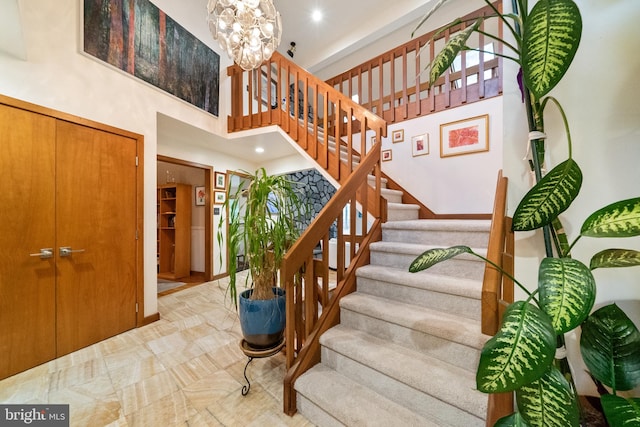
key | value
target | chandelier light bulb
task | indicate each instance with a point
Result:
(249, 30)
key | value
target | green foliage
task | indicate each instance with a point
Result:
(621, 412)
(434, 256)
(551, 196)
(519, 357)
(610, 258)
(513, 420)
(548, 401)
(610, 346)
(506, 361)
(550, 41)
(265, 236)
(567, 292)
(446, 56)
(620, 219)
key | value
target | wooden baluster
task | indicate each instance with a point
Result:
(463, 72)
(340, 247)
(432, 98)
(447, 78)
(405, 96)
(418, 74)
(310, 298)
(481, 90)
(392, 95)
(380, 111)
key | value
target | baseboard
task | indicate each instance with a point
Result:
(149, 319)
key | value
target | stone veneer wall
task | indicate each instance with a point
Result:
(316, 192)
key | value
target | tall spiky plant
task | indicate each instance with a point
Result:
(520, 357)
(263, 220)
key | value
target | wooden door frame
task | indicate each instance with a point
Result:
(139, 262)
(208, 217)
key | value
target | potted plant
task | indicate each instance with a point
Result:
(263, 223)
(521, 356)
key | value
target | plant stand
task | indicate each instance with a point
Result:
(253, 353)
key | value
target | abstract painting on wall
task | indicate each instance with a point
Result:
(464, 136)
(140, 39)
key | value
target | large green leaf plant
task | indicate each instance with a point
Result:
(521, 356)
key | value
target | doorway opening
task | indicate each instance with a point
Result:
(171, 171)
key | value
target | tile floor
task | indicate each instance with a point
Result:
(184, 370)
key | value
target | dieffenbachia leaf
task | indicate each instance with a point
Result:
(548, 401)
(619, 219)
(567, 292)
(447, 55)
(621, 412)
(519, 353)
(434, 256)
(610, 258)
(551, 196)
(610, 347)
(551, 37)
(513, 420)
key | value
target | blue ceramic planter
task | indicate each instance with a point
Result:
(262, 321)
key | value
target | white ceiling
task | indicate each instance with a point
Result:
(346, 26)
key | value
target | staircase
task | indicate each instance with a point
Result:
(407, 346)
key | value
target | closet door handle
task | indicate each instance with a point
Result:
(44, 253)
(67, 251)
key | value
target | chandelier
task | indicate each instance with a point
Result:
(249, 30)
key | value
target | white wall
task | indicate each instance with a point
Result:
(460, 184)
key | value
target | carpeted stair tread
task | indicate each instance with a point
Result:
(449, 384)
(420, 319)
(418, 248)
(392, 194)
(348, 403)
(441, 225)
(469, 288)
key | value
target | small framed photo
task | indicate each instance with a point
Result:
(464, 136)
(420, 145)
(386, 155)
(201, 196)
(220, 180)
(397, 136)
(219, 197)
(373, 140)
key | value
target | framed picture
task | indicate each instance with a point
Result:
(220, 180)
(464, 136)
(397, 136)
(201, 196)
(219, 197)
(373, 140)
(386, 155)
(420, 145)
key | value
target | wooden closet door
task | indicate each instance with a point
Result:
(95, 216)
(27, 202)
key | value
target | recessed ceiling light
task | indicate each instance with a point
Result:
(259, 150)
(316, 15)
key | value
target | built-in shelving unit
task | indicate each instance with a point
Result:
(174, 231)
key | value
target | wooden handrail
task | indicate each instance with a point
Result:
(374, 82)
(333, 130)
(497, 289)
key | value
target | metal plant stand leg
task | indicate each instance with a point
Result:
(253, 353)
(246, 388)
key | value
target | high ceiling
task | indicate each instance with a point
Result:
(345, 27)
